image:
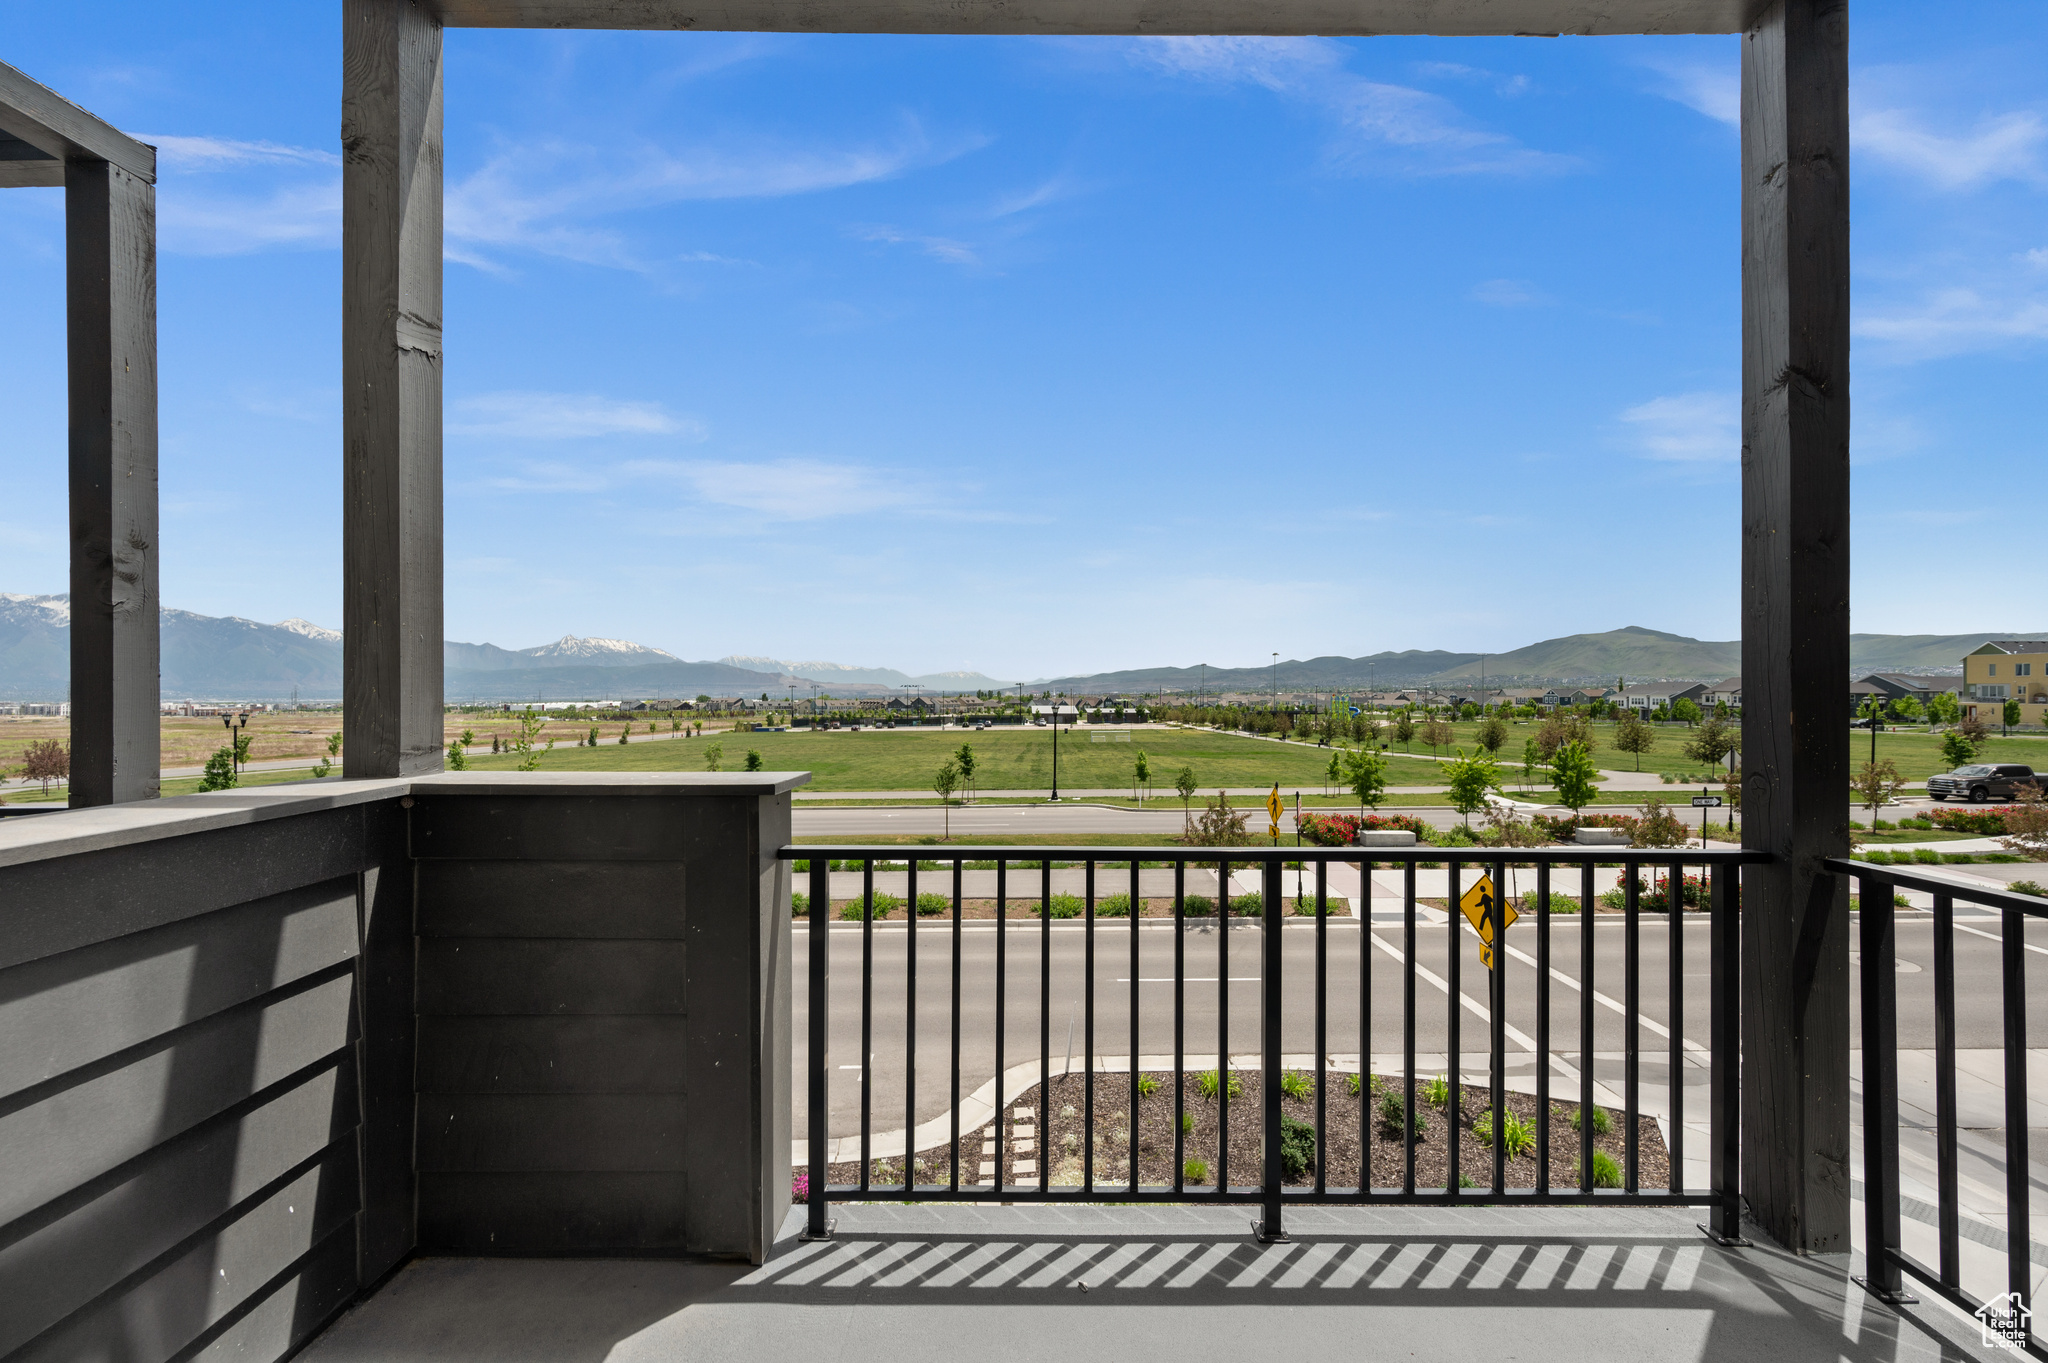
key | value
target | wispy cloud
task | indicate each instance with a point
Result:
(1392, 127)
(791, 489)
(1710, 88)
(566, 416)
(2007, 146)
(938, 248)
(543, 198)
(1955, 321)
(1687, 427)
(1508, 293)
(304, 216)
(175, 152)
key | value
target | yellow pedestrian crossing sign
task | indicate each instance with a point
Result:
(1483, 908)
(1273, 808)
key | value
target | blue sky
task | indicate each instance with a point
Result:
(1036, 356)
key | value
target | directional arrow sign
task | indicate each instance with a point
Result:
(1706, 802)
(1482, 907)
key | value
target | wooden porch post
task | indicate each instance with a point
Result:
(1795, 621)
(391, 375)
(110, 296)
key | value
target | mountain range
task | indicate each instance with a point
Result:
(229, 658)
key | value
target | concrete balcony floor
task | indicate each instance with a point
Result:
(903, 1283)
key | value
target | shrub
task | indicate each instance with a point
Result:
(1559, 903)
(1983, 822)
(1295, 1084)
(1187, 1123)
(1353, 1083)
(800, 1186)
(1304, 907)
(1113, 906)
(930, 903)
(799, 904)
(1328, 830)
(850, 911)
(1517, 1138)
(1205, 1084)
(1437, 1091)
(1602, 1123)
(1066, 906)
(886, 904)
(1659, 827)
(2032, 887)
(1247, 906)
(1195, 1171)
(1391, 1112)
(1199, 906)
(1606, 1173)
(1297, 1148)
(1927, 856)
(1147, 1086)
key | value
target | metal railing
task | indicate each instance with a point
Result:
(1717, 886)
(1886, 1263)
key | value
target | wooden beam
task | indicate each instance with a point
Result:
(391, 375)
(25, 165)
(110, 292)
(58, 128)
(1335, 18)
(1795, 621)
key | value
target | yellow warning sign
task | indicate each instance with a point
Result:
(1484, 909)
(1273, 808)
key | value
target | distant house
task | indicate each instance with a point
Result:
(1647, 696)
(2003, 670)
(1727, 691)
(1573, 695)
(1899, 685)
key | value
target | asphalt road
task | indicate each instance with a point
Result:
(1978, 1006)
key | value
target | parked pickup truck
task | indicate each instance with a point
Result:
(1983, 782)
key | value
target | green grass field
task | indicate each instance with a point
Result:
(906, 759)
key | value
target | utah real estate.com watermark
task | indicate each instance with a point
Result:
(2003, 1321)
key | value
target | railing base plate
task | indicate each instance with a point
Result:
(1276, 1238)
(826, 1234)
(1898, 1298)
(1724, 1241)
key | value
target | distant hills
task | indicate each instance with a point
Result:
(229, 658)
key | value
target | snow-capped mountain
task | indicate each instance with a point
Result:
(569, 648)
(311, 630)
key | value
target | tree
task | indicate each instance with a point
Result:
(1631, 735)
(1493, 733)
(945, 781)
(965, 757)
(1404, 728)
(220, 770)
(753, 759)
(2013, 714)
(1141, 773)
(1572, 772)
(1333, 773)
(1957, 750)
(625, 733)
(1906, 709)
(530, 725)
(1470, 779)
(1531, 759)
(1219, 826)
(326, 764)
(1437, 734)
(591, 741)
(1943, 708)
(1685, 709)
(49, 761)
(1184, 786)
(2026, 823)
(1365, 773)
(1714, 740)
(1877, 783)
(714, 757)
(1972, 728)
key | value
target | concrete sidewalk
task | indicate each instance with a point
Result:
(904, 1284)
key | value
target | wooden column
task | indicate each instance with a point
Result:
(391, 376)
(1795, 621)
(110, 294)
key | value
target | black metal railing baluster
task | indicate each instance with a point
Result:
(1271, 921)
(1947, 1209)
(1322, 1020)
(1675, 1007)
(1180, 975)
(953, 1186)
(1588, 872)
(1222, 1029)
(1002, 1120)
(1408, 1028)
(1088, 1031)
(867, 1019)
(910, 1025)
(1497, 1025)
(1632, 1020)
(1542, 1029)
(1455, 996)
(1880, 1091)
(2019, 1233)
(1044, 1021)
(817, 1224)
(1137, 910)
(1363, 910)
(1724, 1221)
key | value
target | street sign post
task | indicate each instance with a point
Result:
(1483, 908)
(1273, 808)
(1704, 802)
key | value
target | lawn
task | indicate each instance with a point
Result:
(906, 759)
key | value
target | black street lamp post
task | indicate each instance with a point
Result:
(234, 739)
